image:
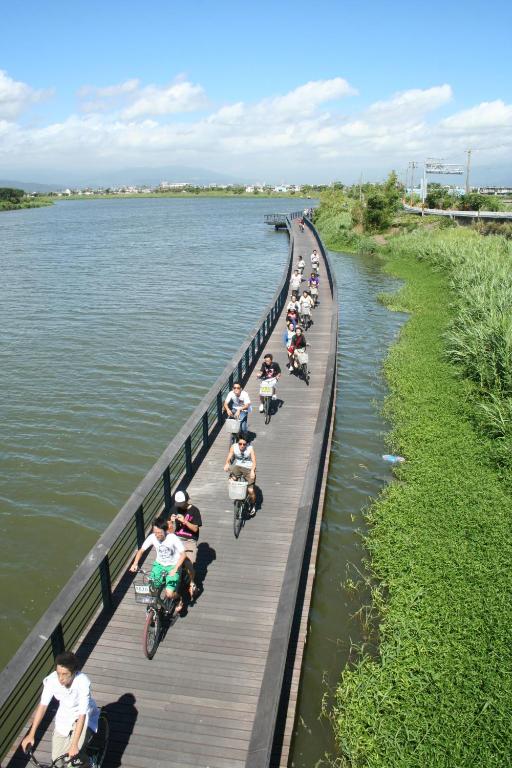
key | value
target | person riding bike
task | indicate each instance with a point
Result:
(298, 342)
(186, 521)
(306, 304)
(295, 281)
(237, 405)
(314, 282)
(170, 556)
(76, 720)
(301, 264)
(241, 461)
(269, 370)
(315, 260)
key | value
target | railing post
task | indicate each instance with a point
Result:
(205, 429)
(188, 455)
(247, 360)
(106, 585)
(219, 406)
(166, 477)
(139, 526)
(240, 369)
(231, 380)
(57, 640)
(253, 348)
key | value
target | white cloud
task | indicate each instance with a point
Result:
(489, 115)
(410, 104)
(171, 99)
(300, 133)
(16, 96)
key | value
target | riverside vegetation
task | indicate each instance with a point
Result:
(439, 690)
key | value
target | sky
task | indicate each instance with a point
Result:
(277, 92)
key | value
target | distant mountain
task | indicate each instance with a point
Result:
(30, 186)
(150, 177)
(153, 176)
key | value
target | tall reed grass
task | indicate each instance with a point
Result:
(479, 340)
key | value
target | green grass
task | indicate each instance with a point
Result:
(440, 547)
(439, 691)
(5, 205)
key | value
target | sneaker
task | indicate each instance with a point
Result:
(261, 407)
(290, 368)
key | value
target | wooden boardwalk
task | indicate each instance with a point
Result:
(194, 704)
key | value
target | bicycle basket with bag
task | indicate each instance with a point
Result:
(238, 489)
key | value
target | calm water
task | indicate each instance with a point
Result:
(356, 475)
(115, 319)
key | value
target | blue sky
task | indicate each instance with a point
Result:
(263, 91)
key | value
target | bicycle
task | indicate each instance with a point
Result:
(96, 749)
(305, 320)
(303, 361)
(267, 390)
(157, 608)
(237, 487)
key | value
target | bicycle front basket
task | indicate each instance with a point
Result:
(238, 489)
(143, 593)
(302, 357)
(266, 389)
(232, 426)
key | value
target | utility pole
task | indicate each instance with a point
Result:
(361, 188)
(468, 168)
(406, 181)
(413, 166)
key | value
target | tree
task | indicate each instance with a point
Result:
(11, 195)
(438, 197)
(378, 212)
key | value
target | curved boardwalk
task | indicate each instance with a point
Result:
(194, 704)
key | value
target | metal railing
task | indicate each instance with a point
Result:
(454, 214)
(264, 726)
(90, 591)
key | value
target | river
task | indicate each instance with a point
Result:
(116, 316)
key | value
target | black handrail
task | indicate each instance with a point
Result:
(264, 726)
(90, 590)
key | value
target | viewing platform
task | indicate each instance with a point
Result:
(222, 687)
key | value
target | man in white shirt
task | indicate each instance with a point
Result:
(170, 555)
(295, 281)
(77, 716)
(237, 405)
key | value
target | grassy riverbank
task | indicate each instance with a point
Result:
(6, 205)
(439, 540)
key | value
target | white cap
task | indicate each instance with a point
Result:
(179, 497)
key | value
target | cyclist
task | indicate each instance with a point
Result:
(244, 464)
(170, 555)
(295, 281)
(314, 282)
(305, 305)
(288, 334)
(315, 260)
(237, 405)
(292, 313)
(269, 370)
(301, 265)
(76, 720)
(298, 342)
(186, 520)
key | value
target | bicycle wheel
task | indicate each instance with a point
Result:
(305, 373)
(97, 749)
(238, 517)
(151, 634)
(268, 403)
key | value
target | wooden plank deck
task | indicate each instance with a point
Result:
(194, 703)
